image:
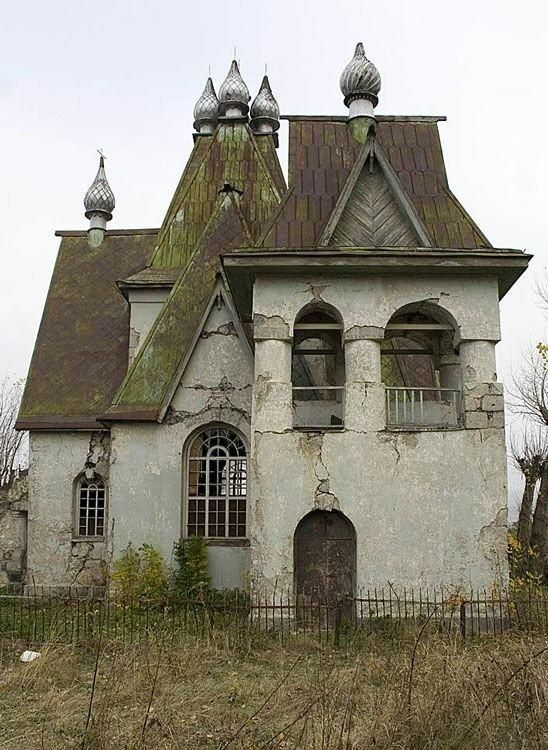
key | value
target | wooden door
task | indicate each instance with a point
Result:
(325, 559)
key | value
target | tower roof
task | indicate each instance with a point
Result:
(265, 107)
(233, 91)
(207, 106)
(360, 79)
(99, 198)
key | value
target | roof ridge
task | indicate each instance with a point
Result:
(168, 219)
(475, 228)
(108, 233)
(379, 118)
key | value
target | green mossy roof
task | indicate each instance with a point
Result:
(80, 355)
(232, 155)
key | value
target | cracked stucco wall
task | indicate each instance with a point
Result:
(429, 508)
(13, 531)
(56, 556)
(147, 473)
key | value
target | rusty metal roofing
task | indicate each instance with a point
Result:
(322, 152)
(81, 351)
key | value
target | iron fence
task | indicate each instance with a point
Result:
(40, 615)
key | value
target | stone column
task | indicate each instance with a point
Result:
(272, 392)
(450, 371)
(483, 396)
(364, 394)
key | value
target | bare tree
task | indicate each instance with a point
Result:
(11, 442)
(529, 457)
(530, 399)
(529, 395)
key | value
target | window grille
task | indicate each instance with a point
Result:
(91, 507)
(217, 485)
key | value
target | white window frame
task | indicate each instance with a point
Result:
(207, 496)
(96, 481)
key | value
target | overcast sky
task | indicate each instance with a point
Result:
(124, 76)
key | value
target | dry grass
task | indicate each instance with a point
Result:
(251, 693)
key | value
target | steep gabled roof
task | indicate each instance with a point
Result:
(232, 156)
(81, 351)
(147, 387)
(322, 152)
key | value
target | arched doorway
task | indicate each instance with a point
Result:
(325, 558)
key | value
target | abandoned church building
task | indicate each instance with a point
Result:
(301, 370)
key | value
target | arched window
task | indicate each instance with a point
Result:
(317, 369)
(216, 484)
(420, 369)
(90, 507)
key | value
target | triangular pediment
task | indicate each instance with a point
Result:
(373, 209)
(154, 373)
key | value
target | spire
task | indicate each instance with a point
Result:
(99, 204)
(265, 112)
(206, 110)
(360, 84)
(233, 94)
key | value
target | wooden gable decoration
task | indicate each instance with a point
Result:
(373, 210)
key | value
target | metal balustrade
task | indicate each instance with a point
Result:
(318, 407)
(422, 407)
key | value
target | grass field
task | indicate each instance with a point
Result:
(247, 691)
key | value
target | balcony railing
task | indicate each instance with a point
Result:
(422, 407)
(318, 407)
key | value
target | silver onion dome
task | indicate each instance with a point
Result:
(360, 79)
(206, 109)
(99, 199)
(233, 93)
(265, 109)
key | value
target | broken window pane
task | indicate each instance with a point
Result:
(217, 473)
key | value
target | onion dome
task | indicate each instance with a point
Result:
(206, 109)
(233, 94)
(265, 112)
(99, 199)
(360, 79)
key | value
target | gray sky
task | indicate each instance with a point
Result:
(124, 76)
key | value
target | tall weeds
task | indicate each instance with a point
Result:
(231, 692)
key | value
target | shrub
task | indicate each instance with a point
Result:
(140, 575)
(190, 576)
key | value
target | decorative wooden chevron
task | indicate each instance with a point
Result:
(372, 216)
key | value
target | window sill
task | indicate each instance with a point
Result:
(83, 539)
(221, 541)
(423, 428)
(319, 428)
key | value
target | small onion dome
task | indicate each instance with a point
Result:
(265, 110)
(233, 93)
(360, 79)
(99, 199)
(206, 109)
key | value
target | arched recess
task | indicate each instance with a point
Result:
(317, 367)
(324, 549)
(420, 367)
(215, 483)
